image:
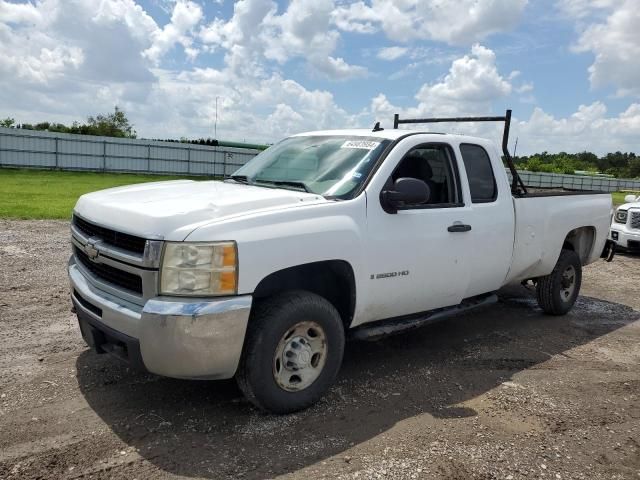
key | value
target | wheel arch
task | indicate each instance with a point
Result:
(581, 240)
(333, 280)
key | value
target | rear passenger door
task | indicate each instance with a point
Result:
(492, 219)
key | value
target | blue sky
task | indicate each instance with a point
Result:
(567, 68)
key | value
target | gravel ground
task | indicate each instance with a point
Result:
(502, 393)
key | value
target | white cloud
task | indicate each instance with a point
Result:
(614, 42)
(257, 32)
(470, 87)
(41, 42)
(338, 68)
(61, 60)
(258, 109)
(392, 53)
(474, 86)
(422, 59)
(589, 128)
(472, 79)
(584, 8)
(185, 17)
(64, 61)
(525, 88)
(18, 13)
(461, 23)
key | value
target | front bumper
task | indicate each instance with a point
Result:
(625, 237)
(181, 338)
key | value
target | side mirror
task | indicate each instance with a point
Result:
(630, 199)
(406, 191)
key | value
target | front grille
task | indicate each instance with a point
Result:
(113, 275)
(633, 245)
(635, 219)
(117, 239)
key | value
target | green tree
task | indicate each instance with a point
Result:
(114, 124)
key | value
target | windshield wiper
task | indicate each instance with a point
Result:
(240, 179)
(287, 183)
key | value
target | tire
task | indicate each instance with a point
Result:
(556, 293)
(319, 335)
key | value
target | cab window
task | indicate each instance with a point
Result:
(482, 182)
(434, 165)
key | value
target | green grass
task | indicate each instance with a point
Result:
(40, 194)
(618, 197)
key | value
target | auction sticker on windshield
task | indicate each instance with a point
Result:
(363, 144)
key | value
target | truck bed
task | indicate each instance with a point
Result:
(544, 218)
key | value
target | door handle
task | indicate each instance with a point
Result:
(459, 227)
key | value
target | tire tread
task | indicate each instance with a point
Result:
(261, 318)
(545, 287)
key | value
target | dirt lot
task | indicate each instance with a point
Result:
(503, 393)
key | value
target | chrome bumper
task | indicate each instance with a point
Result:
(181, 338)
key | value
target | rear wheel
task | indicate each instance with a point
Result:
(292, 353)
(558, 291)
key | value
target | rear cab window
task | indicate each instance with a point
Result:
(482, 181)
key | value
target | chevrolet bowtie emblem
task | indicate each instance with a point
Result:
(91, 250)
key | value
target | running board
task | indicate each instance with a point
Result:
(382, 328)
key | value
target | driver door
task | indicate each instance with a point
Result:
(417, 261)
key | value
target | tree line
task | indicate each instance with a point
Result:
(618, 164)
(114, 124)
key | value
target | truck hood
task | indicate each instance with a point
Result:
(627, 206)
(155, 210)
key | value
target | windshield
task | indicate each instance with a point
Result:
(331, 165)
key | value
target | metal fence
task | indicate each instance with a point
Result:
(63, 151)
(577, 182)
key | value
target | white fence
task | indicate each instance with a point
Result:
(63, 151)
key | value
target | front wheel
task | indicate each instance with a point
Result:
(292, 353)
(558, 291)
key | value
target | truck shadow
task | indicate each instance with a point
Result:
(206, 429)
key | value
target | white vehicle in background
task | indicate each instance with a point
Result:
(322, 237)
(625, 225)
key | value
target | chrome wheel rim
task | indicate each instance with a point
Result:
(300, 356)
(568, 283)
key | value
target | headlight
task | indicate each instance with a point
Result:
(199, 269)
(621, 216)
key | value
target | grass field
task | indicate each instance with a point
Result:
(39, 194)
(618, 197)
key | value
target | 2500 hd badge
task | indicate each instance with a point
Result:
(378, 276)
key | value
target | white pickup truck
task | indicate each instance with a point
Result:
(322, 237)
(625, 225)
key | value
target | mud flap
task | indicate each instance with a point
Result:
(609, 250)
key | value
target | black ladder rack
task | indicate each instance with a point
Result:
(517, 185)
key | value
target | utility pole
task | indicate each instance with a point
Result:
(215, 125)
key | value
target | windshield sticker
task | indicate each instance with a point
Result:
(362, 144)
(356, 175)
